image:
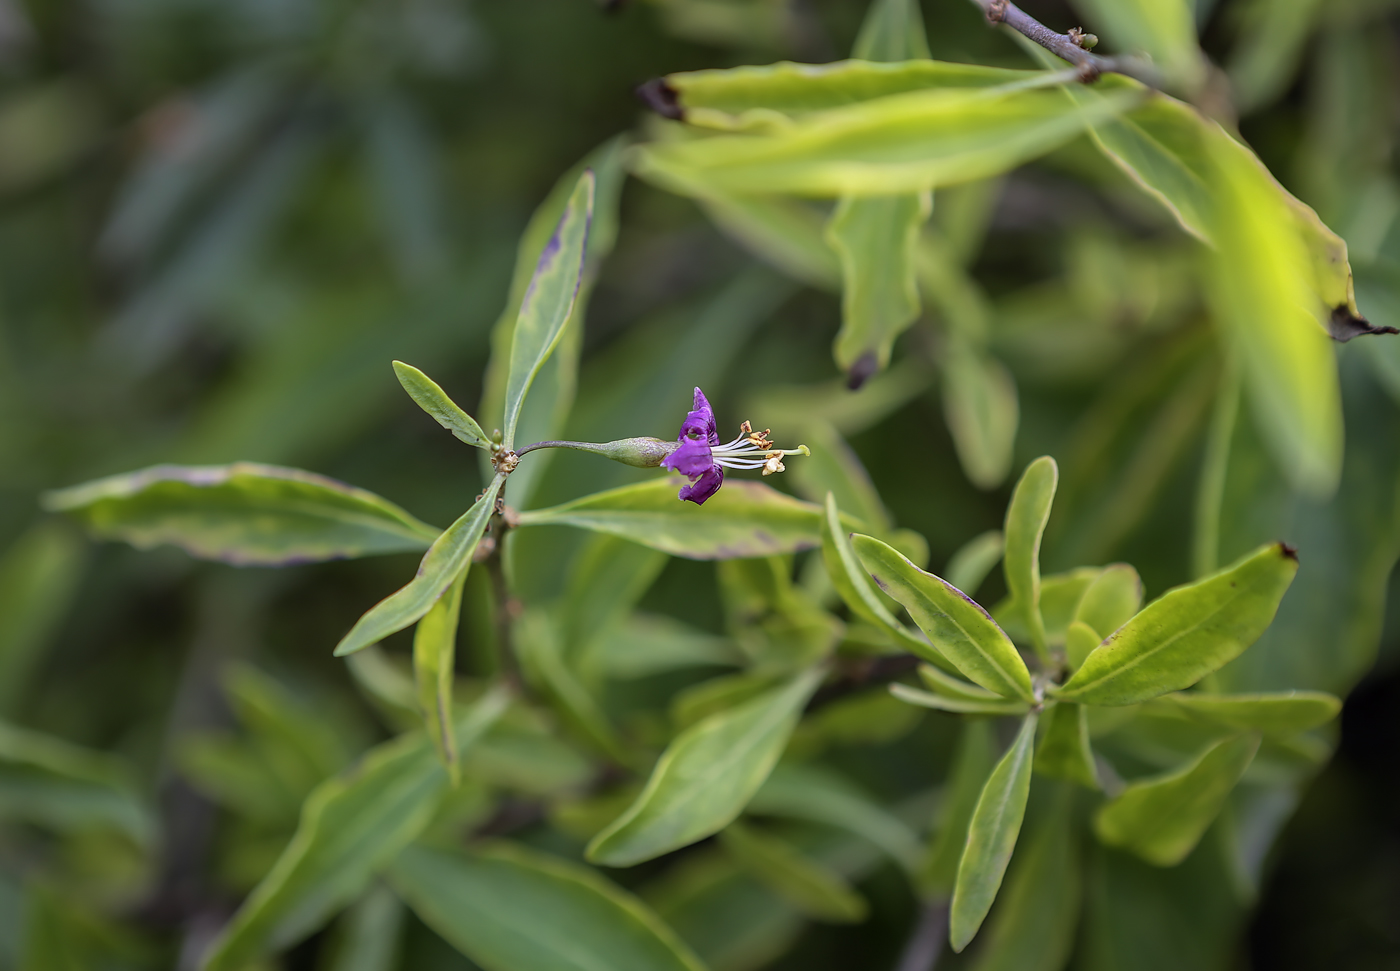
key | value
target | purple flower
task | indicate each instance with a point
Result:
(703, 459)
(694, 458)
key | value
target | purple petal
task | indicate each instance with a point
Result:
(692, 458)
(703, 486)
(700, 422)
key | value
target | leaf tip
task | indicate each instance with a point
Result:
(661, 98)
(1289, 552)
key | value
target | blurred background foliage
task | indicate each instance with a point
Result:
(221, 219)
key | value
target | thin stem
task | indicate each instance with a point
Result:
(580, 446)
(1210, 493)
(924, 946)
(1066, 46)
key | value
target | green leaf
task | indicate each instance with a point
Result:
(350, 828)
(1282, 712)
(607, 578)
(434, 671)
(1032, 926)
(721, 98)
(1263, 293)
(982, 410)
(1111, 599)
(893, 30)
(38, 577)
(370, 933)
(645, 645)
(1162, 819)
(1080, 641)
(991, 837)
(47, 782)
(875, 238)
(964, 706)
(1026, 516)
(547, 409)
(815, 794)
(951, 687)
(849, 578)
(706, 776)
(1163, 29)
(1186, 633)
(537, 642)
(813, 888)
(513, 909)
(972, 763)
(449, 557)
(962, 631)
(245, 513)
(1273, 37)
(742, 520)
(902, 143)
(549, 300)
(432, 399)
(1064, 751)
(969, 566)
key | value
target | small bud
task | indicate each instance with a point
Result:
(643, 453)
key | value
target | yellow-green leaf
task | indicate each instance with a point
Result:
(815, 889)
(1162, 819)
(432, 399)
(1282, 712)
(1026, 516)
(706, 776)
(1186, 633)
(245, 513)
(1064, 750)
(959, 628)
(434, 670)
(991, 837)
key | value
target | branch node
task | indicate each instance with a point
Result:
(1089, 72)
(1082, 40)
(996, 11)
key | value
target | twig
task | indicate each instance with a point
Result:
(926, 943)
(1073, 46)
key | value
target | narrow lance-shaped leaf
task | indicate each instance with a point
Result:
(432, 399)
(434, 656)
(1186, 633)
(38, 577)
(706, 776)
(1026, 517)
(448, 558)
(721, 98)
(48, 782)
(742, 520)
(1032, 927)
(813, 888)
(902, 143)
(963, 706)
(549, 301)
(350, 828)
(245, 513)
(370, 933)
(850, 580)
(962, 631)
(1262, 294)
(513, 909)
(991, 837)
(893, 30)
(1163, 818)
(815, 794)
(1064, 751)
(973, 762)
(1111, 599)
(1282, 713)
(1080, 642)
(944, 684)
(982, 410)
(876, 238)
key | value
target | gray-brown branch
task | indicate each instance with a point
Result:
(1067, 46)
